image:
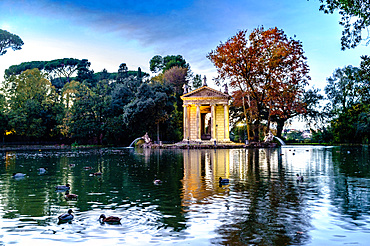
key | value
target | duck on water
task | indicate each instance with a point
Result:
(110, 220)
(63, 187)
(64, 218)
(223, 181)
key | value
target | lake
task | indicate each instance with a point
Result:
(262, 204)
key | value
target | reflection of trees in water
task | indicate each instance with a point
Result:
(350, 186)
(272, 211)
(126, 184)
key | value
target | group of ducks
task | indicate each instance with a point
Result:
(68, 217)
(66, 188)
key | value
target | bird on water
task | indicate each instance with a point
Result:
(68, 217)
(109, 220)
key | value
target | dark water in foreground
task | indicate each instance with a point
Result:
(262, 205)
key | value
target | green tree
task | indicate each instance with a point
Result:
(34, 109)
(344, 89)
(84, 74)
(122, 72)
(350, 125)
(89, 113)
(355, 19)
(9, 40)
(159, 64)
(294, 136)
(312, 100)
(18, 69)
(197, 81)
(65, 67)
(363, 126)
(156, 64)
(152, 105)
(3, 115)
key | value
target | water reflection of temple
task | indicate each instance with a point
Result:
(203, 167)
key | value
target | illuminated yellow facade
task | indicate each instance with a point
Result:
(206, 115)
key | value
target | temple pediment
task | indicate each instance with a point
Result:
(205, 92)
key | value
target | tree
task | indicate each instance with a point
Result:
(348, 93)
(355, 18)
(84, 74)
(197, 81)
(152, 105)
(313, 114)
(156, 64)
(351, 125)
(9, 40)
(261, 68)
(122, 72)
(176, 77)
(89, 113)
(344, 88)
(34, 109)
(159, 64)
(365, 75)
(18, 69)
(65, 67)
(3, 115)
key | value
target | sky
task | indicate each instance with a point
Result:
(109, 33)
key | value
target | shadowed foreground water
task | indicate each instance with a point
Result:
(263, 204)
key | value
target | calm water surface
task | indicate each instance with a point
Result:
(262, 205)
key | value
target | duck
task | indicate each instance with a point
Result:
(42, 170)
(299, 178)
(109, 220)
(223, 181)
(70, 196)
(95, 174)
(157, 181)
(19, 175)
(63, 187)
(66, 217)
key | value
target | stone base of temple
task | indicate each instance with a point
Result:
(207, 144)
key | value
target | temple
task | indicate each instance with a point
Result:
(206, 115)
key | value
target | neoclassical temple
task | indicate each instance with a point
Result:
(206, 114)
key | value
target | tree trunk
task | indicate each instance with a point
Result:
(279, 128)
(256, 131)
(268, 121)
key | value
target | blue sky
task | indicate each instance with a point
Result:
(108, 33)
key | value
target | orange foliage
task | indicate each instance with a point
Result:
(267, 68)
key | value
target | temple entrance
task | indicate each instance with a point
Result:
(206, 115)
(206, 126)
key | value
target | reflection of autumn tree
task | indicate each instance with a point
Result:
(267, 71)
(273, 210)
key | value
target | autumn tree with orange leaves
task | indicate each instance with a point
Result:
(266, 71)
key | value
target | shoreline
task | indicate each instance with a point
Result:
(180, 145)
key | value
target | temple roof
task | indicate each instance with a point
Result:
(204, 92)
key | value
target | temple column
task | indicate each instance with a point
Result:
(213, 122)
(185, 123)
(226, 123)
(198, 124)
